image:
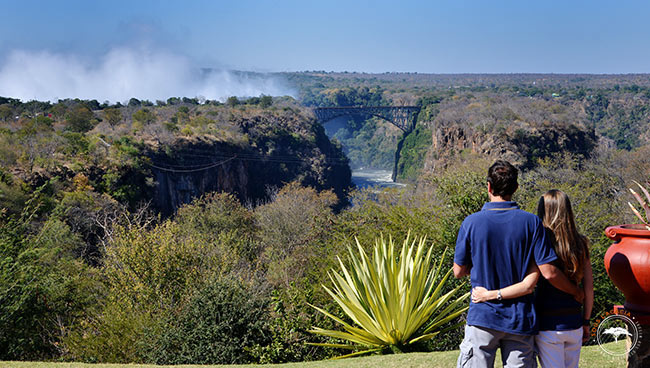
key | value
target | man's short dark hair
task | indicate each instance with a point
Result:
(502, 176)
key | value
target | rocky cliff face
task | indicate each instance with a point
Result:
(178, 182)
(522, 146)
(187, 169)
(517, 129)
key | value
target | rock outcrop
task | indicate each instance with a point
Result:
(522, 146)
(189, 168)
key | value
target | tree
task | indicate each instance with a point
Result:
(113, 115)
(59, 109)
(5, 112)
(79, 119)
(92, 104)
(35, 140)
(294, 227)
(144, 116)
(266, 101)
(44, 288)
(133, 102)
(232, 101)
(173, 101)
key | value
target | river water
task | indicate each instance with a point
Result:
(364, 178)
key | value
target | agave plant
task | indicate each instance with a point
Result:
(643, 203)
(393, 302)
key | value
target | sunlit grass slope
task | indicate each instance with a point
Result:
(592, 356)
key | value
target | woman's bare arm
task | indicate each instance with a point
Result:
(524, 287)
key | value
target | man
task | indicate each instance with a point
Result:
(496, 246)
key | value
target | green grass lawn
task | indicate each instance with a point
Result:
(591, 356)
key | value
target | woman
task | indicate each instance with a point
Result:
(563, 324)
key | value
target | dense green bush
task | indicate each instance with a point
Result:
(12, 197)
(44, 288)
(113, 332)
(291, 317)
(221, 324)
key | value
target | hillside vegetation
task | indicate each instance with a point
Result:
(522, 116)
(128, 151)
(200, 232)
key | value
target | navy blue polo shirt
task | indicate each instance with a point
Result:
(499, 242)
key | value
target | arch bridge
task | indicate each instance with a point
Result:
(402, 117)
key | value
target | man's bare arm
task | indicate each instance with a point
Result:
(560, 281)
(461, 271)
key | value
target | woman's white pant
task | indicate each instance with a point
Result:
(559, 349)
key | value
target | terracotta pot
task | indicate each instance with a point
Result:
(627, 262)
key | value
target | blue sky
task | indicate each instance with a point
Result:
(369, 36)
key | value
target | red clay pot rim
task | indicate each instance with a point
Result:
(637, 230)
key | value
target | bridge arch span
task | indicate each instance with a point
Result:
(402, 117)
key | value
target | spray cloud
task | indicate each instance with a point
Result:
(123, 73)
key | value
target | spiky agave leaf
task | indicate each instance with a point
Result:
(642, 202)
(390, 298)
(644, 190)
(636, 213)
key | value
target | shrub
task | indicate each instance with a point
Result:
(76, 143)
(144, 116)
(113, 115)
(291, 318)
(152, 273)
(113, 334)
(219, 219)
(294, 232)
(79, 119)
(220, 325)
(45, 289)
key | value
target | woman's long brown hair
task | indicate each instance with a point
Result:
(554, 208)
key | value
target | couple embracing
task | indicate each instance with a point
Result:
(507, 252)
